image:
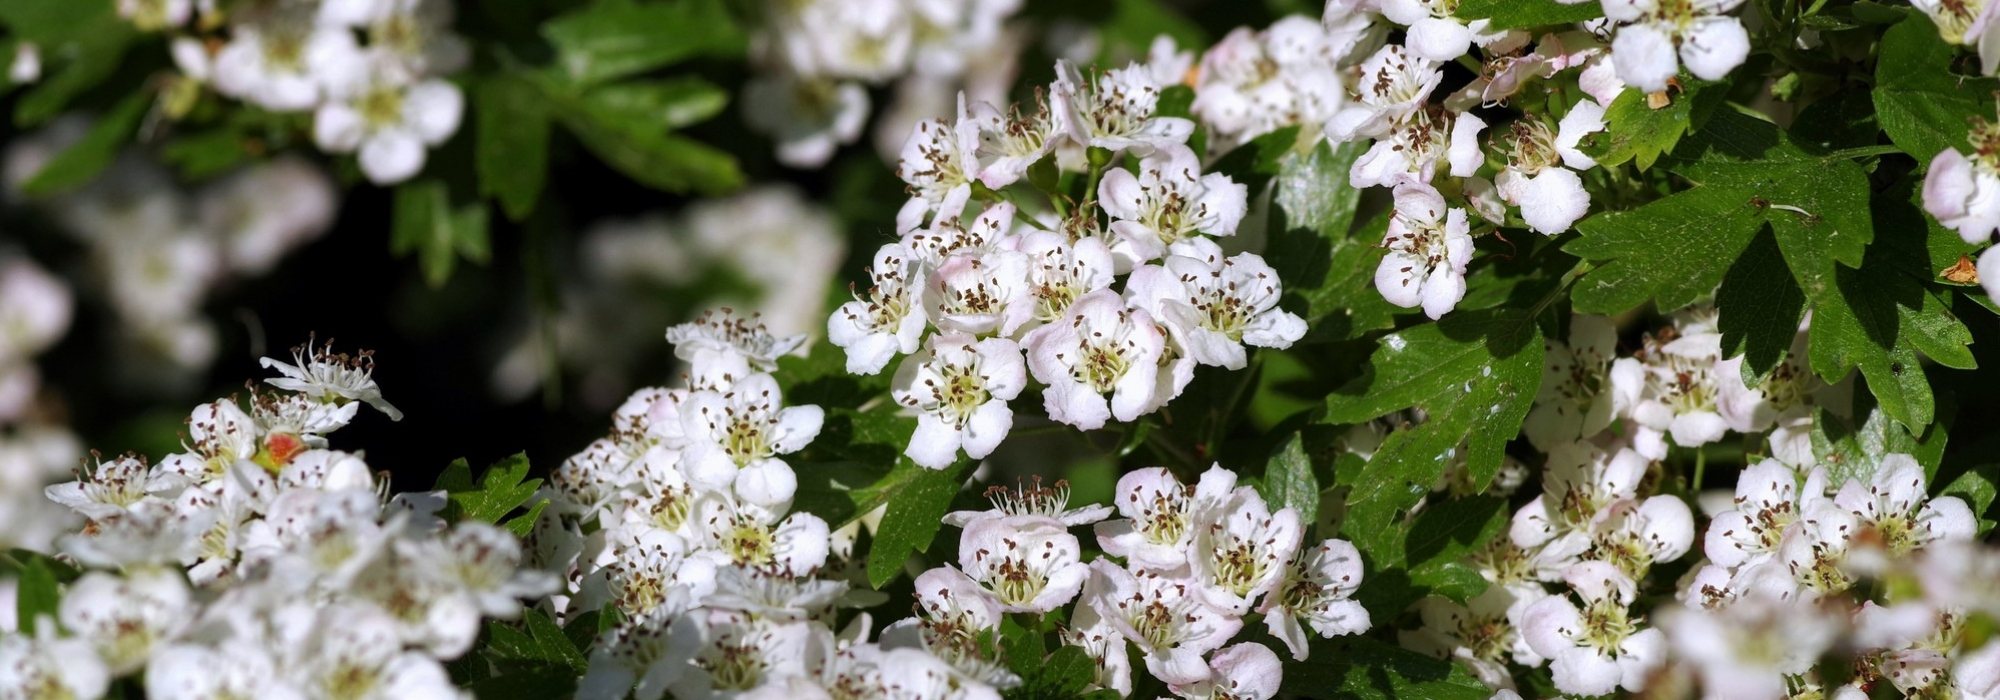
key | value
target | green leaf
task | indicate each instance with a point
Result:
(555, 647)
(915, 513)
(1759, 309)
(524, 524)
(501, 489)
(1522, 14)
(426, 224)
(1816, 205)
(1976, 488)
(36, 595)
(206, 154)
(1674, 250)
(80, 163)
(1745, 172)
(526, 683)
(1474, 374)
(611, 39)
(1883, 317)
(1328, 267)
(1061, 676)
(1450, 579)
(1924, 104)
(77, 57)
(1853, 451)
(667, 104)
(512, 143)
(1289, 481)
(1133, 24)
(1636, 131)
(456, 476)
(1360, 668)
(635, 144)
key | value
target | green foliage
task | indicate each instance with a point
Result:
(1759, 308)
(1328, 266)
(612, 39)
(915, 513)
(81, 163)
(513, 143)
(36, 595)
(83, 42)
(1289, 481)
(1474, 374)
(1359, 668)
(1923, 103)
(501, 489)
(427, 224)
(1636, 132)
(1522, 14)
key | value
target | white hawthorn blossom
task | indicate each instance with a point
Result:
(1161, 516)
(1100, 348)
(1575, 401)
(1029, 563)
(1114, 110)
(1540, 176)
(323, 375)
(1429, 246)
(1390, 92)
(889, 320)
(1169, 201)
(1317, 589)
(938, 161)
(960, 387)
(1596, 648)
(1166, 618)
(1964, 192)
(1656, 37)
(1213, 306)
(735, 437)
(1245, 551)
(1895, 504)
(390, 120)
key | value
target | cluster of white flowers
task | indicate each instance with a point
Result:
(158, 250)
(35, 447)
(1337, 79)
(780, 250)
(1782, 581)
(1013, 297)
(1197, 559)
(368, 70)
(680, 520)
(816, 59)
(261, 563)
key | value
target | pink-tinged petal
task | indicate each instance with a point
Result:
(1074, 404)
(1442, 292)
(1439, 39)
(1713, 46)
(767, 482)
(1645, 57)
(1542, 626)
(391, 156)
(1948, 518)
(433, 108)
(1247, 670)
(935, 443)
(1553, 200)
(987, 428)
